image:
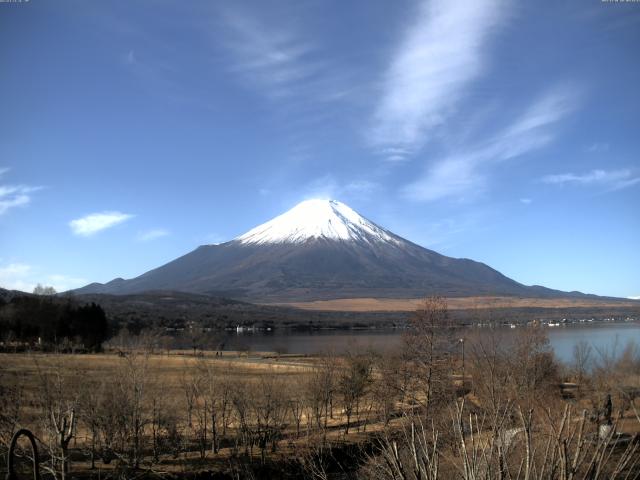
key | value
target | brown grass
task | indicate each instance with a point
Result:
(454, 303)
(165, 373)
(169, 368)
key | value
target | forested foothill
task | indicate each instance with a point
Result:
(176, 313)
(46, 322)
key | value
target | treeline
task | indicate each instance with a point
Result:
(48, 321)
(176, 309)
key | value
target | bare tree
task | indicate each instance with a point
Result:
(320, 388)
(533, 367)
(582, 360)
(59, 403)
(199, 388)
(189, 384)
(166, 435)
(388, 385)
(532, 449)
(489, 368)
(110, 418)
(91, 398)
(213, 394)
(269, 408)
(11, 407)
(44, 290)
(353, 381)
(223, 393)
(133, 382)
(296, 402)
(241, 398)
(429, 345)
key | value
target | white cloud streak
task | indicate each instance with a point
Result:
(12, 196)
(598, 147)
(454, 176)
(96, 222)
(440, 54)
(275, 58)
(152, 235)
(328, 187)
(610, 179)
(465, 173)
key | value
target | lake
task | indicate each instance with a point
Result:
(603, 336)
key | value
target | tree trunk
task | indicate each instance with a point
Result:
(214, 434)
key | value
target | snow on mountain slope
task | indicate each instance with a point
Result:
(317, 219)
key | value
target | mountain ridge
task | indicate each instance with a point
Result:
(318, 250)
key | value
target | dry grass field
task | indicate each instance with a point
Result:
(175, 382)
(454, 303)
(182, 414)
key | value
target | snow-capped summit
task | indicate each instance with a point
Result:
(317, 219)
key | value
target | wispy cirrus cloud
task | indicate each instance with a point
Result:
(275, 58)
(598, 147)
(441, 53)
(328, 187)
(96, 222)
(150, 235)
(454, 176)
(283, 62)
(395, 154)
(609, 179)
(465, 173)
(12, 196)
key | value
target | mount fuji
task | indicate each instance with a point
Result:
(319, 250)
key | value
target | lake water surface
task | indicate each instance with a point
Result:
(610, 337)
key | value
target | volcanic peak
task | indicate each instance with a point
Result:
(317, 219)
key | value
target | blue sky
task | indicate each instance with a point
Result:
(506, 132)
